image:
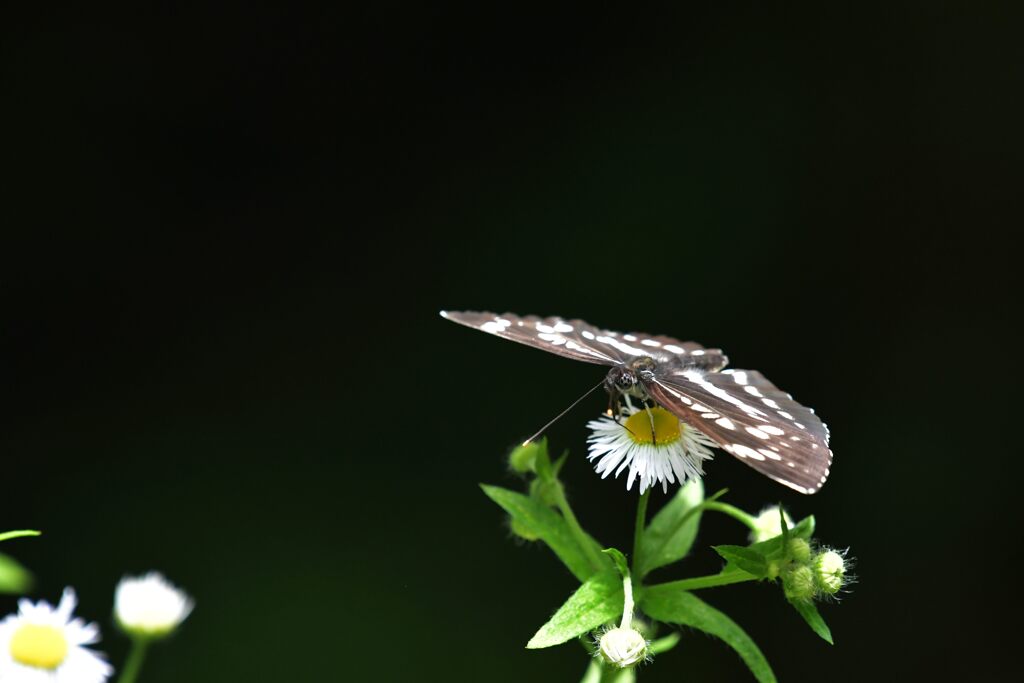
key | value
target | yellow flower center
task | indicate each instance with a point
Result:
(666, 426)
(43, 647)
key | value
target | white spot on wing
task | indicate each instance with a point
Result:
(753, 391)
(672, 348)
(756, 432)
(725, 422)
(774, 431)
(587, 334)
(697, 352)
(650, 342)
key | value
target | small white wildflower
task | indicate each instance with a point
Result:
(623, 647)
(673, 451)
(149, 605)
(768, 524)
(42, 643)
(830, 571)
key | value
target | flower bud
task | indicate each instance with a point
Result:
(545, 492)
(768, 524)
(524, 458)
(829, 571)
(799, 550)
(623, 647)
(798, 583)
(149, 606)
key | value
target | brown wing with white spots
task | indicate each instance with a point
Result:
(753, 420)
(688, 353)
(570, 338)
(582, 341)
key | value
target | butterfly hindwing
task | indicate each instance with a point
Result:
(768, 430)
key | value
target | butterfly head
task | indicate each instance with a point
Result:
(626, 379)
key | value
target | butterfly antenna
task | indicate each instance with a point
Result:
(562, 414)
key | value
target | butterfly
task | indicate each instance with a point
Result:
(740, 410)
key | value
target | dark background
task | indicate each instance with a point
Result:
(228, 232)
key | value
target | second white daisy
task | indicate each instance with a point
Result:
(672, 452)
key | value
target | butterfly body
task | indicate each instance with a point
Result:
(744, 413)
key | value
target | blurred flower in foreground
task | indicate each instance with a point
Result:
(150, 606)
(43, 644)
(768, 524)
(672, 451)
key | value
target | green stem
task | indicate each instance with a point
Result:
(641, 523)
(133, 664)
(574, 526)
(711, 580)
(7, 535)
(733, 512)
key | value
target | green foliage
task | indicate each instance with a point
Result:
(671, 605)
(596, 602)
(809, 612)
(607, 586)
(540, 521)
(671, 533)
(14, 578)
(749, 560)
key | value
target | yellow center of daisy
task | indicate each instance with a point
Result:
(43, 647)
(666, 427)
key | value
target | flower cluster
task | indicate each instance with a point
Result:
(43, 643)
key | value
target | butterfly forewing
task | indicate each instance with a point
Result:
(582, 341)
(761, 425)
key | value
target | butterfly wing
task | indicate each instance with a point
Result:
(582, 341)
(752, 419)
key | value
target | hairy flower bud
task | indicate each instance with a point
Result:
(623, 647)
(798, 583)
(799, 550)
(829, 571)
(524, 458)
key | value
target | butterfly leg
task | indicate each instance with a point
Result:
(654, 437)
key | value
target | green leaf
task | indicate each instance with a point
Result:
(665, 644)
(541, 521)
(668, 604)
(774, 548)
(749, 560)
(810, 613)
(14, 578)
(593, 672)
(7, 535)
(543, 460)
(671, 533)
(620, 561)
(597, 601)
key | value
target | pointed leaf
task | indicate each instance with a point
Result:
(620, 561)
(666, 603)
(597, 601)
(546, 524)
(809, 611)
(671, 533)
(749, 560)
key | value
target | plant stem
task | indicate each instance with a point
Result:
(582, 539)
(711, 580)
(641, 523)
(733, 512)
(133, 664)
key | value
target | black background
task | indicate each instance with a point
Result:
(228, 232)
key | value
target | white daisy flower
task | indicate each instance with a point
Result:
(149, 605)
(675, 451)
(43, 644)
